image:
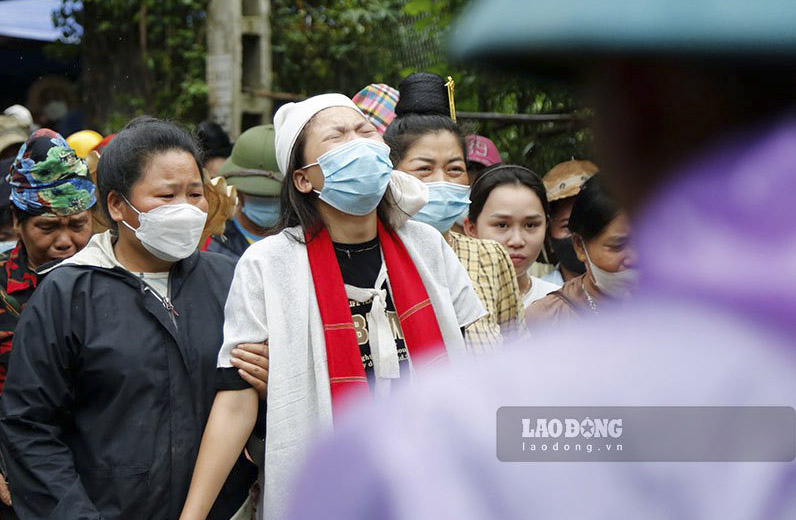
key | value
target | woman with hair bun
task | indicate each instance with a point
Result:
(427, 143)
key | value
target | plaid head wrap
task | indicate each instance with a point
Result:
(48, 177)
(378, 101)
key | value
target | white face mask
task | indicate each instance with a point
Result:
(170, 232)
(620, 284)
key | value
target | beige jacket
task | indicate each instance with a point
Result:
(565, 303)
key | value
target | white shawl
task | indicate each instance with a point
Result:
(272, 297)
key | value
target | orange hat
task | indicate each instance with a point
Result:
(565, 179)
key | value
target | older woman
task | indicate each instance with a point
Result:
(601, 236)
(111, 377)
(51, 194)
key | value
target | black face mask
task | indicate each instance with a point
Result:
(565, 252)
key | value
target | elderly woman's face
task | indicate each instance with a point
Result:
(48, 237)
(329, 129)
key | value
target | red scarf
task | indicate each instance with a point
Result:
(418, 321)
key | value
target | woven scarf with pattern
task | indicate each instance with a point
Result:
(412, 304)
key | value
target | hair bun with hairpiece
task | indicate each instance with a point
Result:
(423, 93)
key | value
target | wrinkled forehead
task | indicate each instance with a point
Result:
(51, 218)
(336, 117)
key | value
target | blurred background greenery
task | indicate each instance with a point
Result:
(148, 57)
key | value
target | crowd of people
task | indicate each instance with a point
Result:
(178, 305)
(183, 318)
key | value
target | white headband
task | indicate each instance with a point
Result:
(291, 119)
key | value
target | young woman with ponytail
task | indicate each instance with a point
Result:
(351, 298)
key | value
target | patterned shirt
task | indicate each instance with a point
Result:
(17, 282)
(495, 283)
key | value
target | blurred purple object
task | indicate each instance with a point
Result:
(724, 231)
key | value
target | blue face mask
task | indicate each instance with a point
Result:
(446, 203)
(356, 175)
(263, 211)
(8, 245)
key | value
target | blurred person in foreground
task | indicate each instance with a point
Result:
(696, 135)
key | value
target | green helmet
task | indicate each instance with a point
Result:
(252, 167)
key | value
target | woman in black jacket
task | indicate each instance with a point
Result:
(111, 378)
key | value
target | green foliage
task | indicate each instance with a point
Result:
(145, 56)
(337, 45)
(539, 146)
(343, 45)
(318, 46)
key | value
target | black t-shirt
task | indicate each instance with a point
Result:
(360, 265)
